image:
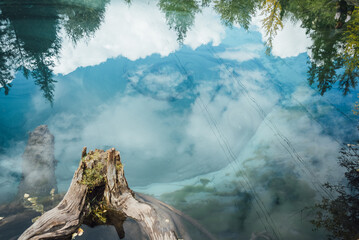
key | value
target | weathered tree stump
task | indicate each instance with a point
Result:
(99, 194)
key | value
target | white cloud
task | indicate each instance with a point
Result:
(289, 41)
(160, 140)
(207, 28)
(243, 53)
(281, 182)
(11, 170)
(134, 32)
(313, 153)
(160, 81)
(240, 56)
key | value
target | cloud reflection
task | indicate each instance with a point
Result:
(191, 114)
(289, 41)
(134, 32)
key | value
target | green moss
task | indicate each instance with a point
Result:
(93, 177)
(98, 212)
(92, 156)
(118, 166)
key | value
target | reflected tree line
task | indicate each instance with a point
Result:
(339, 215)
(30, 39)
(30, 36)
(334, 53)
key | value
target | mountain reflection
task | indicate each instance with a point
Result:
(30, 39)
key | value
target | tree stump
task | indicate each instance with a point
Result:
(99, 194)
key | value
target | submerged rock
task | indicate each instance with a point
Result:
(38, 166)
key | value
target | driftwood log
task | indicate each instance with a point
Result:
(99, 195)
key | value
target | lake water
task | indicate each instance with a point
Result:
(234, 112)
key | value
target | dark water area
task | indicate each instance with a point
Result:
(241, 114)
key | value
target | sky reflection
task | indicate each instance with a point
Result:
(140, 30)
(215, 108)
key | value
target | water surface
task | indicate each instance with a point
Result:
(232, 111)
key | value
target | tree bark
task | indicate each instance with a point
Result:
(99, 194)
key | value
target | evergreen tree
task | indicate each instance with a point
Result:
(29, 36)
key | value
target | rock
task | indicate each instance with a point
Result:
(38, 166)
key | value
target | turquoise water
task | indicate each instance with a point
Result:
(204, 119)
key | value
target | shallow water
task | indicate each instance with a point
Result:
(205, 118)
